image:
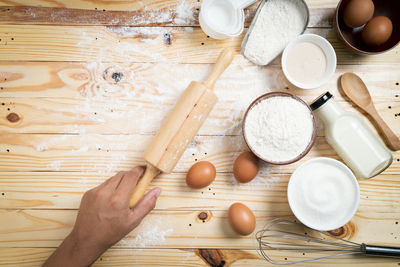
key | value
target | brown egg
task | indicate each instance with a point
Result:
(358, 12)
(241, 219)
(200, 174)
(245, 167)
(377, 31)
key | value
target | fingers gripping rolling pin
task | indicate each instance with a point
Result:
(181, 125)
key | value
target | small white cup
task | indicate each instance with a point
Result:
(221, 19)
(325, 209)
(330, 56)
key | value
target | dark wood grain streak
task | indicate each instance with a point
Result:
(319, 17)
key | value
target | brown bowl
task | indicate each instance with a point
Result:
(273, 94)
(352, 37)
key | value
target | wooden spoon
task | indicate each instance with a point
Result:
(357, 91)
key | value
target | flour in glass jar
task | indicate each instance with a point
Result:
(279, 128)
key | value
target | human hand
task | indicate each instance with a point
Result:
(104, 218)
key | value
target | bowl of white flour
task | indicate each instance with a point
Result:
(279, 128)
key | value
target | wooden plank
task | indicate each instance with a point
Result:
(179, 229)
(63, 190)
(27, 257)
(133, 5)
(138, 44)
(136, 81)
(319, 17)
(107, 154)
(104, 115)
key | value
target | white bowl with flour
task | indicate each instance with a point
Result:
(323, 194)
(279, 128)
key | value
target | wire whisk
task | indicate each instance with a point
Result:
(293, 237)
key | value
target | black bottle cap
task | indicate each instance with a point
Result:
(320, 100)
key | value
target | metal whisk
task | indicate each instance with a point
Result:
(285, 235)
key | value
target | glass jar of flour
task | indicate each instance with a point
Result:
(352, 138)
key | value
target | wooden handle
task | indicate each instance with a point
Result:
(141, 186)
(391, 139)
(223, 61)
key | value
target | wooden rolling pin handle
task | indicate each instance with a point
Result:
(392, 141)
(224, 59)
(142, 184)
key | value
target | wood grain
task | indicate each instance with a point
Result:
(138, 44)
(176, 229)
(89, 104)
(107, 154)
(135, 81)
(110, 116)
(133, 5)
(35, 15)
(27, 257)
(63, 190)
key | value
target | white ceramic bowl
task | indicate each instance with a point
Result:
(231, 17)
(318, 198)
(330, 56)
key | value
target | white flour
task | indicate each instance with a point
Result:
(184, 13)
(279, 128)
(278, 22)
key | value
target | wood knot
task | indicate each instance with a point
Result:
(345, 232)
(202, 215)
(167, 38)
(117, 76)
(337, 232)
(113, 75)
(13, 117)
(213, 257)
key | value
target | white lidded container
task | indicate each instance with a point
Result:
(221, 19)
(355, 142)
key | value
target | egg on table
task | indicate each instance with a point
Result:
(377, 31)
(201, 174)
(241, 219)
(245, 167)
(358, 12)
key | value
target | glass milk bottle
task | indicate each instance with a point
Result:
(359, 147)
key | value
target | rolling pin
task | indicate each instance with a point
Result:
(180, 126)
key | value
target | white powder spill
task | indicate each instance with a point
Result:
(157, 16)
(184, 14)
(55, 165)
(41, 147)
(188, 29)
(80, 150)
(152, 231)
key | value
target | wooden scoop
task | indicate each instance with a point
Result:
(357, 91)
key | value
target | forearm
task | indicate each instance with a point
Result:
(72, 253)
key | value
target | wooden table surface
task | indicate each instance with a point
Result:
(84, 86)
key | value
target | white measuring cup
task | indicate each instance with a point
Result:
(221, 19)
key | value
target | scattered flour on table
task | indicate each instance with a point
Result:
(55, 165)
(279, 128)
(184, 13)
(278, 22)
(152, 231)
(188, 29)
(156, 16)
